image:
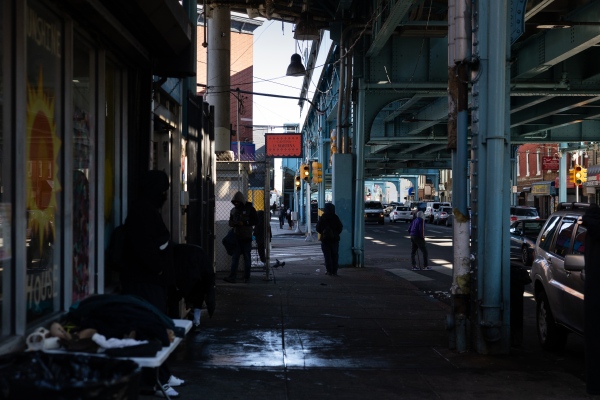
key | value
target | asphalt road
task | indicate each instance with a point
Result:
(388, 246)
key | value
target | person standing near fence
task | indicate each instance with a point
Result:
(242, 218)
(259, 234)
(416, 230)
(330, 227)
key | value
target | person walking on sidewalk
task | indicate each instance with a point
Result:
(282, 209)
(289, 217)
(242, 218)
(330, 227)
(416, 230)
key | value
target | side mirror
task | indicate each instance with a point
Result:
(574, 262)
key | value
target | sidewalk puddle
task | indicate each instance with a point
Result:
(264, 348)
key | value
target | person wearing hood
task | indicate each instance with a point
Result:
(416, 230)
(149, 257)
(330, 227)
(242, 218)
(591, 300)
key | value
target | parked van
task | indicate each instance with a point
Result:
(432, 207)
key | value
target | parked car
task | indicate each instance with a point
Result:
(401, 213)
(431, 208)
(374, 212)
(441, 215)
(523, 235)
(388, 208)
(522, 212)
(557, 275)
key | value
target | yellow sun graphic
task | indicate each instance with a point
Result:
(41, 152)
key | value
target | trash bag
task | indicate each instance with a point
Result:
(230, 242)
(53, 376)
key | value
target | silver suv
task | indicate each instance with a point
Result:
(523, 212)
(557, 275)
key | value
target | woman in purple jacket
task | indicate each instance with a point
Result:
(416, 230)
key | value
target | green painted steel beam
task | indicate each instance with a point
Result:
(542, 52)
(383, 31)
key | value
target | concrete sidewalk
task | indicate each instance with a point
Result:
(366, 334)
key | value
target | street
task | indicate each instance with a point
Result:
(387, 246)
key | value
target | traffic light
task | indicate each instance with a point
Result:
(317, 172)
(577, 175)
(297, 182)
(583, 174)
(305, 172)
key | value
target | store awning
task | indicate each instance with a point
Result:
(155, 30)
(593, 170)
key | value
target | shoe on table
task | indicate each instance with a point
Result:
(229, 279)
(172, 393)
(175, 381)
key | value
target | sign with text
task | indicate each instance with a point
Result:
(283, 145)
(550, 163)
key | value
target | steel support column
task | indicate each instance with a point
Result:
(359, 196)
(219, 57)
(491, 180)
(563, 174)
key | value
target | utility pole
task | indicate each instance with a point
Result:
(459, 54)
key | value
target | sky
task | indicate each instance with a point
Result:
(274, 45)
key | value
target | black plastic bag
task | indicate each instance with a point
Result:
(230, 242)
(50, 376)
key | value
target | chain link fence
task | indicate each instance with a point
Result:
(251, 177)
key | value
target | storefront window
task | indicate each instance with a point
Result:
(42, 160)
(82, 172)
(112, 176)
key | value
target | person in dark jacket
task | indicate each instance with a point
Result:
(288, 216)
(149, 251)
(282, 210)
(330, 227)
(259, 234)
(149, 255)
(416, 230)
(242, 218)
(591, 300)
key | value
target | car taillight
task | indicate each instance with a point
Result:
(512, 219)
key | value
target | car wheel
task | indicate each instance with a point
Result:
(526, 256)
(381, 222)
(552, 336)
